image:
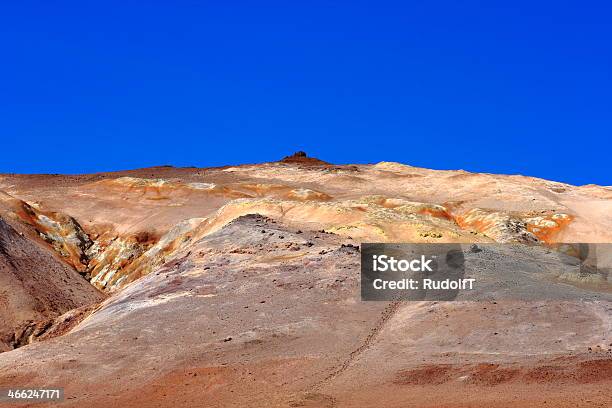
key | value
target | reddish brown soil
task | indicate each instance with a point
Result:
(560, 371)
(277, 384)
(303, 159)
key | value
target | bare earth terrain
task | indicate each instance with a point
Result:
(239, 287)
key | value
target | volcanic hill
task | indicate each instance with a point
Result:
(239, 286)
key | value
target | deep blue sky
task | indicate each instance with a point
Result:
(511, 87)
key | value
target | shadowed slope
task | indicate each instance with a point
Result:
(34, 284)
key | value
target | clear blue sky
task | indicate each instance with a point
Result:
(501, 87)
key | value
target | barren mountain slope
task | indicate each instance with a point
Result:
(35, 286)
(259, 314)
(132, 216)
(239, 286)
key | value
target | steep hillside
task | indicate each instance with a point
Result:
(35, 287)
(240, 286)
(260, 314)
(116, 227)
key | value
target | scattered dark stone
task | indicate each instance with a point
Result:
(475, 248)
(228, 338)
